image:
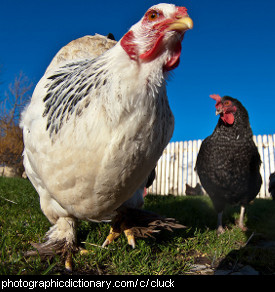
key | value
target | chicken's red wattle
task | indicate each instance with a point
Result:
(174, 61)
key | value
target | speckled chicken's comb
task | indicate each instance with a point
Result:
(216, 97)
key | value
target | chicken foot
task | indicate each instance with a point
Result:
(138, 223)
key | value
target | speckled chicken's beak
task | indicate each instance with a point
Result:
(181, 24)
(219, 111)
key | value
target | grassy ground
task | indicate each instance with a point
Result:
(22, 222)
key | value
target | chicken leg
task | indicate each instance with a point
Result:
(220, 228)
(241, 219)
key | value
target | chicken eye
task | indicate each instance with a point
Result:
(153, 15)
(227, 103)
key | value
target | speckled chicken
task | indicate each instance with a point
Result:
(97, 125)
(228, 162)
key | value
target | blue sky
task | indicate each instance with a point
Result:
(230, 51)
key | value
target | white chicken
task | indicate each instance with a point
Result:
(96, 126)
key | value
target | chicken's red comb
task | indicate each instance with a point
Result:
(216, 97)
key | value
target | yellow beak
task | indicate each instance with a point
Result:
(181, 24)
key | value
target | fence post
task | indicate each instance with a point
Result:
(266, 165)
(185, 165)
(194, 158)
(172, 162)
(180, 183)
(271, 146)
(176, 168)
(260, 149)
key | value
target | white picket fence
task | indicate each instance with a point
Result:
(175, 168)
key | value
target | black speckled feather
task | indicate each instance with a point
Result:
(228, 162)
(68, 86)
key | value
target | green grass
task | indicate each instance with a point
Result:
(170, 253)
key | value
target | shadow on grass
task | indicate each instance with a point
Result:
(259, 256)
(198, 212)
(261, 218)
(259, 251)
(193, 212)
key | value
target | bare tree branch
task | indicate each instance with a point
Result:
(16, 98)
(11, 137)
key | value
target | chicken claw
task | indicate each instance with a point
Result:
(69, 262)
(111, 237)
(130, 236)
(115, 234)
